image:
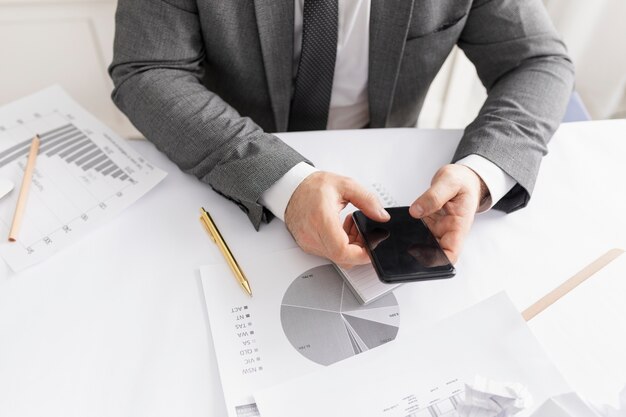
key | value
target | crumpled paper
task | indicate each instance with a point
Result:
(486, 398)
(572, 405)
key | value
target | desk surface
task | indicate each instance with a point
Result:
(116, 324)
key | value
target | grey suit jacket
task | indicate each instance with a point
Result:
(208, 80)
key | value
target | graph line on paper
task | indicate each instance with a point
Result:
(84, 175)
(444, 407)
(72, 145)
(438, 400)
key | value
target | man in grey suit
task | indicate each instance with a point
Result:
(208, 81)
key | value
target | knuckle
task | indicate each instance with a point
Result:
(436, 199)
(369, 196)
(441, 173)
(447, 173)
(447, 169)
(346, 183)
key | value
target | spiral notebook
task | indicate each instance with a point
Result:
(362, 280)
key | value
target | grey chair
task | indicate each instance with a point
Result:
(576, 110)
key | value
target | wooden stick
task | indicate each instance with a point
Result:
(560, 291)
(21, 199)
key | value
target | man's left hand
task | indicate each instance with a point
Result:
(449, 205)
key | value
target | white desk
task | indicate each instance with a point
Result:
(116, 324)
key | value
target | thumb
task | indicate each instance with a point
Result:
(439, 193)
(366, 201)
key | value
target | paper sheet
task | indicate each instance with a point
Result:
(605, 410)
(301, 318)
(398, 379)
(565, 405)
(572, 405)
(84, 174)
(583, 335)
(487, 398)
(364, 283)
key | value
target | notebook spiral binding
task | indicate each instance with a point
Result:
(385, 196)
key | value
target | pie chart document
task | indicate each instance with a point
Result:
(484, 346)
(301, 318)
(323, 321)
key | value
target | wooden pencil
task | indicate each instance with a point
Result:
(23, 196)
(562, 290)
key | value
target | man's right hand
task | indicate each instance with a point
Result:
(312, 217)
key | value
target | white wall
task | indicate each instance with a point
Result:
(595, 33)
(43, 42)
(70, 42)
(455, 97)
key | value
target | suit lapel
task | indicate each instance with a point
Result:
(275, 23)
(389, 24)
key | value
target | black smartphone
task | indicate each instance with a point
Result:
(402, 249)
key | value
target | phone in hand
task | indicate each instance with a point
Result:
(402, 249)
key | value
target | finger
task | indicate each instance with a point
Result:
(454, 233)
(350, 228)
(452, 243)
(337, 245)
(434, 198)
(352, 255)
(364, 200)
(452, 256)
(358, 256)
(351, 265)
(348, 225)
(378, 236)
(445, 224)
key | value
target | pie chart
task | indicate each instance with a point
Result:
(325, 323)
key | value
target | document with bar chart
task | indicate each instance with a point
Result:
(84, 174)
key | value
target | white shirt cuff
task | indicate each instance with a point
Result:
(497, 181)
(276, 198)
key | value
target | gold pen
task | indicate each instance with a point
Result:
(209, 225)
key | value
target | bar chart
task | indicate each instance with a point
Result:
(84, 174)
(70, 144)
(441, 407)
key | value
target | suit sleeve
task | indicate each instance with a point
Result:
(157, 71)
(529, 78)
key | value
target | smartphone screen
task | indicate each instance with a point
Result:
(403, 249)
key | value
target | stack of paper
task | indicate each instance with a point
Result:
(579, 333)
(412, 377)
(301, 318)
(363, 280)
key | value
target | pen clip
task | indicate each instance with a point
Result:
(211, 228)
(206, 227)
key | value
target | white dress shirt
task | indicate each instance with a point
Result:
(349, 104)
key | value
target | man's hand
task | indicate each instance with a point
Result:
(449, 205)
(312, 217)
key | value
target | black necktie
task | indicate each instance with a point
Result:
(314, 80)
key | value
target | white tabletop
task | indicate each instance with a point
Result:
(116, 324)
